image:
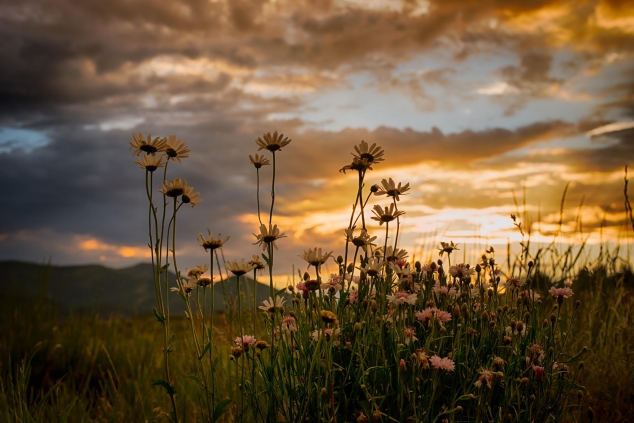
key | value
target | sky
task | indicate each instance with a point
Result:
(478, 105)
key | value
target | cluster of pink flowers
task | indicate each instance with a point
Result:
(353, 295)
(445, 290)
(441, 364)
(561, 292)
(514, 283)
(530, 294)
(427, 315)
(334, 283)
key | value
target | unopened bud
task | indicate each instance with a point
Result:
(306, 276)
(374, 188)
(433, 266)
(357, 327)
(520, 327)
(459, 409)
(439, 261)
(478, 268)
(530, 263)
(339, 259)
(373, 306)
(418, 266)
(577, 303)
(324, 392)
(350, 268)
(553, 318)
(507, 340)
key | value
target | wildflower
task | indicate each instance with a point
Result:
(391, 190)
(259, 161)
(517, 330)
(175, 188)
(561, 293)
(373, 267)
(329, 317)
(245, 341)
(535, 353)
(409, 334)
(270, 305)
(363, 240)
(428, 315)
(151, 146)
(268, 236)
(150, 162)
(273, 142)
(289, 324)
(421, 358)
(485, 379)
(187, 287)
(402, 297)
(498, 363)
(514, 283)
(176, 149)
(257, 263)
(312, 285)
(360, 165)
(353, 295)
(211, 243)
(197, 271)
(392, 254)
(445, 290)
(373, 153)
(203, 281)
(314, 257)
(262, 345)
(402, 365)
(238, 268)
(447, 248)
(539, 373)
(333, 283)
(191, 197)
(461, 271)
(236, 352)
(302, 287)
(441, 364)
(385, 215)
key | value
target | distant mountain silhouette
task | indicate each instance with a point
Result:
(104, 290)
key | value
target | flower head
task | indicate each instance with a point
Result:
(514, 283)
(441, 364)
(485, 379)
(390, 189)
(289, 324)
(402, 297)
(429, 314)
(149, 146)
(187, 287)
(211, 243)
(409, 334)
(448, 248)
(314, 257)
(359, 165)
(461, 271)
(245, 341)
(539, 373)
(334, 283)
(239, 268)
(363, 240)
(561, 293)
(259, 161)
(392, 254)
(191, 197)
(257, 263)
(270, 306)
(197, 271)
(272, 142)
(151, 162)
(268, 236)
(385, 215)
(329, 317)
(530, 294)
(176, 149)
(373, 154)
(372, 266)
(175, 188)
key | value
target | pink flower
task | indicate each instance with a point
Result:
(333, 283)
(539, 373)
(403, 365)
(289, 324)
(441, 364)
(409, 334)
(353, 295)
(302, 287)
(561, 293)
(461, 271)
(514, 283)
(402, 297)
(245, 341)
(486, 378)
(445, 290)
(427, 316)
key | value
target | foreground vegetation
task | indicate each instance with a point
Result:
(383, 339)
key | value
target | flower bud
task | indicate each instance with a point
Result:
(340, 259)
(374, 188)
(478, 268)
(530, 263)
(520, 326)
(507, 340)
(357, 327)
(306, 276)
(439, 261)
(433, 266)
(324, 392)
(553, 318)
(418, 266)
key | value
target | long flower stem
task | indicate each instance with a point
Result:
(272, 191)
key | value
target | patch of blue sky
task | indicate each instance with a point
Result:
(27, 140)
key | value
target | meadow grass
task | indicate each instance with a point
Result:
(383, 339)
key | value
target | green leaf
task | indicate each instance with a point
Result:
(280, 291)
(160, 318)
(220, 409)
(168, 388)
(164, 268)
(170, 342)
(207, 347)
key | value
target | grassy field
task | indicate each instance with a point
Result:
(74, 368)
